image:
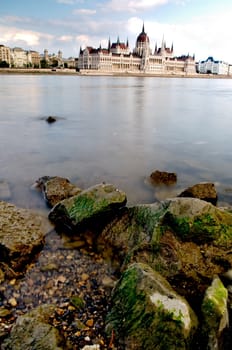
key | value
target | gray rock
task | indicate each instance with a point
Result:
(34, 331)
(22, 235)
(56, 188)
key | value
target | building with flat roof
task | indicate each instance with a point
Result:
(211, 66)
(5, 55)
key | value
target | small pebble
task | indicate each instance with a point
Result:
(12, 302)
(90, 322)
(84, 276)
(91, 347)
(61, 279)
(12, 282)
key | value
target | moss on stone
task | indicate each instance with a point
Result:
(214, 304)
(204, 228)
(88, 205)
(140, 321)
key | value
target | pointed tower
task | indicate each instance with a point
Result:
(142, 43)
(155, 48)
(109, 45)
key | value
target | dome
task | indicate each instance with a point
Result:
(143, 37)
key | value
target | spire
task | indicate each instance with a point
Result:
(118, 41)
(163, 44)
(109, 44)
(127, 43)
(156, 48)
(172, 48)
(143, 31)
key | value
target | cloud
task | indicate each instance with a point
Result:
(84, 12)
(70, 2)
(65, 38)
(12, 36)
(205, 35)
(135, 6)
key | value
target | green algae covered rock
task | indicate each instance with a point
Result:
(135, 231)
(93, 204)
(34, 331)
(215, 313)
(200, 222)
(147, 314)
(187, 240)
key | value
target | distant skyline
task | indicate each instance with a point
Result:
(200, 27)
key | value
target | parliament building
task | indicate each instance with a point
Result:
(118, 58)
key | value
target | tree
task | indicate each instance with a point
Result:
(44, 64)
(4, 64)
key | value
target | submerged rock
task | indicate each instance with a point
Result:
(163, 177)
(34, 331)
(21, 235)
(56, 188)
(147, 314)
(215, 314)
(5, 192)
(91, 206)
(51, 119)
(205, 191)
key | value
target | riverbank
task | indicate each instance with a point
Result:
(112, 74)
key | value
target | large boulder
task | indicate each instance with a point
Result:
(146, 313)
(56, 188)
(215, 314)
(187, 240)
(200, 222)
(22, 234)
(91, 207)
(205, 191)
(35, 331)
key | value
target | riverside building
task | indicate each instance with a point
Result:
(118, 58)
(5, 55)
(211, 66)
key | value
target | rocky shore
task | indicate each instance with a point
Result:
(97, 274)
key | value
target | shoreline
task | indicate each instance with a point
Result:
(18, 71)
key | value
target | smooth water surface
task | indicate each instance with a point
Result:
(115, 129)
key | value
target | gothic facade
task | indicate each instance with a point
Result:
(118, 58)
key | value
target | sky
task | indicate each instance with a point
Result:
(200, 27)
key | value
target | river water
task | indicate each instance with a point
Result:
(115, 129)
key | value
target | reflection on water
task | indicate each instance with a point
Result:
(114, 129)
